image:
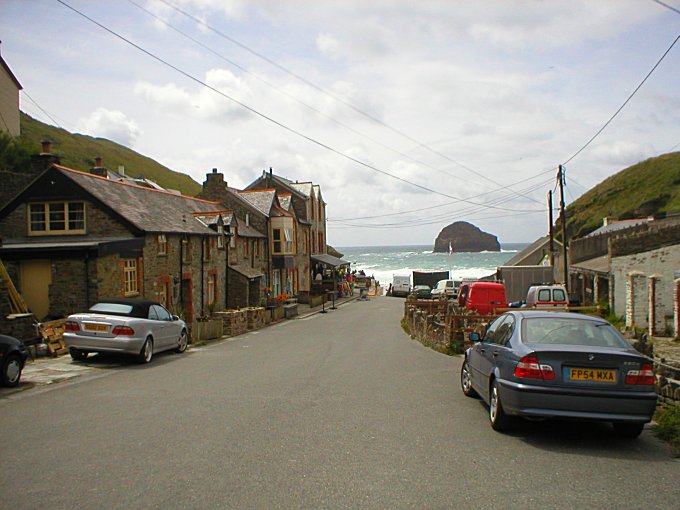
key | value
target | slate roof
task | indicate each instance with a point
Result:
(147, 209)
(305, 188)
(532, 254)
(285, 200)
(262, 200)
(618, 225)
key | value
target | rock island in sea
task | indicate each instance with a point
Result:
(462, 236)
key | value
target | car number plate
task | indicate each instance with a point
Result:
(96, 327)
(592, 374)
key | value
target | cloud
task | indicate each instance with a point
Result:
(111, 124)
(328, 46)
(210, 103)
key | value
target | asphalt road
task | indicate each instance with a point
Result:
(340, 410)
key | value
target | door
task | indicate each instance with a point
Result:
(36, 277)
(485, 352)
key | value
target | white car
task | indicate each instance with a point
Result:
(128, 326)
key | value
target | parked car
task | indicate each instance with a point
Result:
(13, 355)
(422, 292)
(547, 295)
(482, 297)
(540, 364)
(122, 325)
(401, 285)
(446, 288)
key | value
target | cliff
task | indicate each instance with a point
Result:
(465, 237)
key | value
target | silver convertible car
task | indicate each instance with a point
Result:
(128, 326)
(539, 365)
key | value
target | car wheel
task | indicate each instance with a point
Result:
(77, 355)
(466, 381)
(146, 353)
(628, 430)
(499, 420)
(11, 371)
(183, 342)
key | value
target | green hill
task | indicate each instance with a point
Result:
(651, 187)
(78, 152)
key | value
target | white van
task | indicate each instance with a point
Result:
(446, 288)
(401, 285)
(547, 295)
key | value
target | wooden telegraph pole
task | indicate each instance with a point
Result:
(560, 178)
(550, 230)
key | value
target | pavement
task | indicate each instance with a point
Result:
(44, 371)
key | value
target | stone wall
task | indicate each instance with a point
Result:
(631, 290)
(427, 329)
(667, 384)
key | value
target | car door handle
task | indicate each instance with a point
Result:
(495, 353)
(482, 350)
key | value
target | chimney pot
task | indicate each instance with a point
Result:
(214, 170)
(98, 162)
(46, 146)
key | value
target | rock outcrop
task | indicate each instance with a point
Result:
(464, 236)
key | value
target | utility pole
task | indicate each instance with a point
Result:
(560, 178)
(550, 230)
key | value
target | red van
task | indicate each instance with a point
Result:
(482, 297)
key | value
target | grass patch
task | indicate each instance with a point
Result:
(668, 427)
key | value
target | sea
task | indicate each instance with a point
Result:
(383, 262)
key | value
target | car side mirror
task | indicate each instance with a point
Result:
(175, 317)
(475, 337)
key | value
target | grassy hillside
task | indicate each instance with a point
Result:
(647, 188)
(78, 152)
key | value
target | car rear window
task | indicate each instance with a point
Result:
(547, 330)
(112, 308)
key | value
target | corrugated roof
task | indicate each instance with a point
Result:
(618, 225)
(147, 209)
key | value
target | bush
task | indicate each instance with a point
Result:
(668, 426)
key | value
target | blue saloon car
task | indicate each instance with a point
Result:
(541, 365)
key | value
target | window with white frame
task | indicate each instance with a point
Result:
(162, 244)
(220, 237)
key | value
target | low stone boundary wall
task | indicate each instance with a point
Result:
(427, 330)
(667, 384)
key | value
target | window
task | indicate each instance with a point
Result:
(288, 245)
(162, 245)
(130, 276)
(56, 218)
(211, 287)
(277, 240)
(186, 250)
(220, 237)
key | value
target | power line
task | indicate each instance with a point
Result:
(286, 94)
(624, 103)
(667, 6)
(23, 91)
(334, 96)
(268, 118)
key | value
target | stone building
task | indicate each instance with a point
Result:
(9, 100)
(633, 267)
(71, 238)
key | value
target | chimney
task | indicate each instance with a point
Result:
(121, 170)
(45, 159)
(98, 168)
(46, 147)
(214, 185)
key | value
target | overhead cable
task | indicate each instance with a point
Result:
(268, 118)
(624, 103)
(334, 96)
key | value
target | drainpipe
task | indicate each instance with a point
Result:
(203, 275)
(226, 271)
(87, 279)
(181, 271)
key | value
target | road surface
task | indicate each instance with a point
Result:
(338, 410)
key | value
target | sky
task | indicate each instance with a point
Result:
(409, 115)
